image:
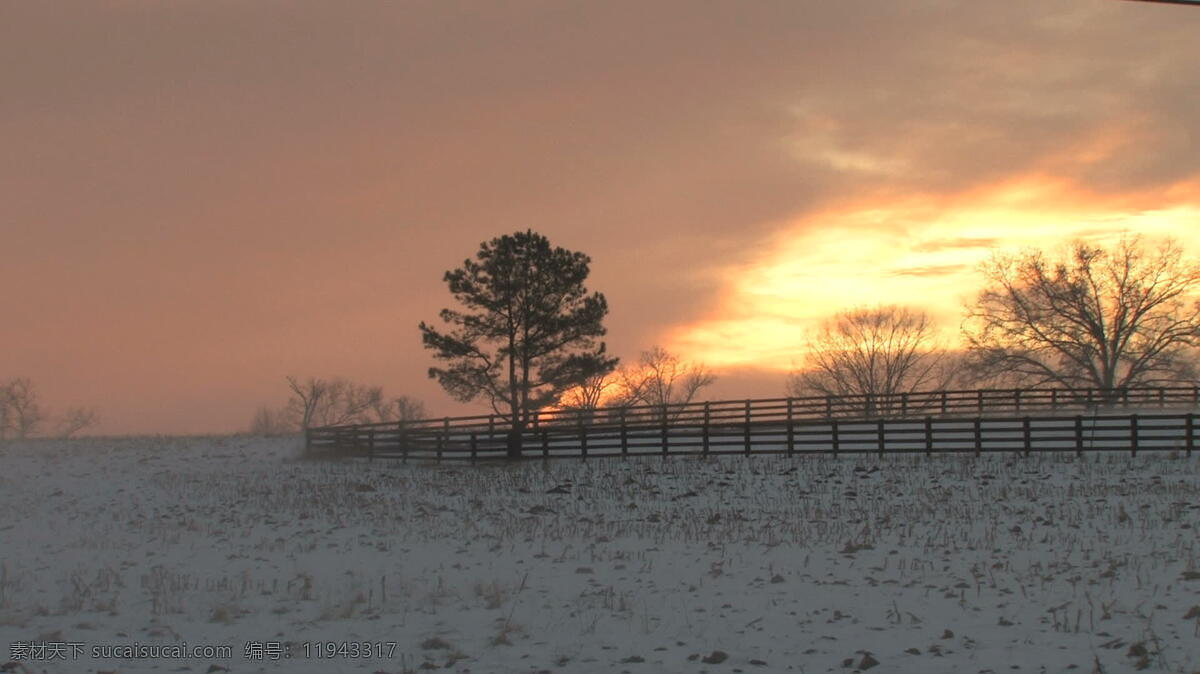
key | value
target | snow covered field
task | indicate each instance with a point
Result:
(759, 564)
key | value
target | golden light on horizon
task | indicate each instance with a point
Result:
(918, 251)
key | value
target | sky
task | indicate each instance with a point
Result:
(203, 196)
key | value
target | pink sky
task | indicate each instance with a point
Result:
(201, 197)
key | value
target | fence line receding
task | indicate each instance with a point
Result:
(978, 421)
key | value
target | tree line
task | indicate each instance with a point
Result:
(527, 333)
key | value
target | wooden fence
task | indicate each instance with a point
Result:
(940, 421)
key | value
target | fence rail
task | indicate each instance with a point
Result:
(940, 421)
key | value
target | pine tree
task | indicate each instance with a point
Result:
(528, 332)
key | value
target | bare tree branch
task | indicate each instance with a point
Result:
(589, 396)
(404, 408)
(335, 402)
(306, 397)
(1090, 318)
(77, 419)
(271, 421)
(663, 380)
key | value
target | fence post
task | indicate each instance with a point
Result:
(1027, 433)
(307, 439)
(978, 436)
(583, 439)
(835, 438)
(491, 427)
(1017, 399)
(904, 404)
(1162, 397)
(1054, 399)
(665, 437)
(928, 436)
(1133, 434)
(705, 431)
(370, 444)
(882, 440)
(791, 430)
(747, 428)
(828, 406)
(1191, 433)
(944, 402)
(980, 395)
(624, 436)
(545, 444)
(474, 446)
(1079, 435)
(445, 440)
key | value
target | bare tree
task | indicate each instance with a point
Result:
(409, 409)
(20, 413)
(1090, 317)
(349, 403)
(307, 398)
(590, 395)
(334, 402)
(874, 355)
(272, 421)
(6, 422)
(403, 408)
(76, 419)
(663, 380)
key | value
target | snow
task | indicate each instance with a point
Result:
(765, 563)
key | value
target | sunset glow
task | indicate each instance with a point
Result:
(918, 251)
